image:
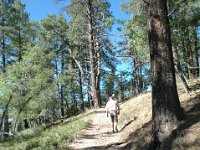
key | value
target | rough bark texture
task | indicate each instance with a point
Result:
(92, 54)
(166, 109)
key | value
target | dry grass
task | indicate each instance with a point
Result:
(189, 137)
(135, 121)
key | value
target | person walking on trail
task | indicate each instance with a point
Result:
(113, 110)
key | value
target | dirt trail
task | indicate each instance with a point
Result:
(98, 134)
(135, 125)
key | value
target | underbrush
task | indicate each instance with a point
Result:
(51, 137)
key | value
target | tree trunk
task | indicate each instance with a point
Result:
(62, 102)
(166, 109)
(20, 45)
(92, 53)
(136, 70)
(134, 78)
(81, 92)
(132, 88)
(26, 124)
(61, 88)
(88, 88)
(185, 59)
(20, 111)
(178, 70)
(4, 119)
(191, 64)
(3, 51)
(140, 76)
(98, 74)
(196, 53)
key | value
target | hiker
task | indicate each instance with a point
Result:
(113, 110)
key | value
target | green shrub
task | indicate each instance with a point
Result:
(51, 137)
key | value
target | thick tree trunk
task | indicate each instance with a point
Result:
(98, 74)
(92, 53)
(166, 109)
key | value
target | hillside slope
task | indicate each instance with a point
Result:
(134, 128)
(135, 125)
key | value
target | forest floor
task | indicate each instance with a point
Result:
(135, 125)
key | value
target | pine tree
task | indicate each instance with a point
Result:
(166, 109)
(90, 26)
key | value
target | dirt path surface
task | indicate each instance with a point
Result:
(98, 134)
(135, 125)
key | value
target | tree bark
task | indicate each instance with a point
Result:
(5, 114)
(185, 59)
(61, 88)
(81, 92)
(98, 74)
(178, 70)
(196, 53)
(88, 88)
(20, 44)
(191, 64)
(166, 109)
(92, 53)
(20, 111)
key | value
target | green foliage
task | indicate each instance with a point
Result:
(55, 136)
(27, 80)
(138, 48)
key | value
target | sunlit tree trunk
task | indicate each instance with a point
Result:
(92, 53)
(81, 92)
(98, 73)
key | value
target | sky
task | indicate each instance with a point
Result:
(39, 9)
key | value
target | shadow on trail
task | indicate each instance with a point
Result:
(125, 125)
(138, 139)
